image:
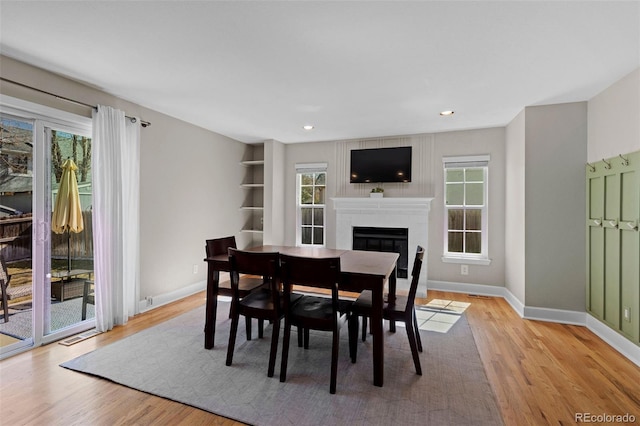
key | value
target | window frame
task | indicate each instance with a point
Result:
(464, 163)
(307, 169)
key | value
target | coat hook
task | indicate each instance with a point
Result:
(591, 167)
(607, 164)
(625, 161)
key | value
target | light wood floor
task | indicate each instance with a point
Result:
(541, 373)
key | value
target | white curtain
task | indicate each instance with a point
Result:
(115, 165)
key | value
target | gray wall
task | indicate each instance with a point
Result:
(427, 181)
(189, 180)
(515, 207)
(536, 161)
(555, 156)
(614, 119)
(546, 151)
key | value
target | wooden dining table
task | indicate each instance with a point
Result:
(360, 270)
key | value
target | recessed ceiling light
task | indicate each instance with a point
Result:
(446, 113)
(308, 127)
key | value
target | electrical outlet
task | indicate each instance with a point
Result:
(195, 268)
(627, 313)
(464, 269)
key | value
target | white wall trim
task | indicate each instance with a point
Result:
(555, 315)
(614, 339)
(627, 348)
(475, 289)
(172, 296)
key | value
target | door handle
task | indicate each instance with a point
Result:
(43, 232)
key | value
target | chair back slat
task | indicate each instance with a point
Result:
(219, 246)
(317, 272)
(254, 263)
(264, 264)
(415, 277)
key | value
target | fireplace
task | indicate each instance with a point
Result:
(394, 240)
(410, 214)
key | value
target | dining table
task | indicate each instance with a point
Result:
(360, 270)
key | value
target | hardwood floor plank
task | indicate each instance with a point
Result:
(541, 373)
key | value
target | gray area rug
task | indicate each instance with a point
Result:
(169, 360)
(63, 314)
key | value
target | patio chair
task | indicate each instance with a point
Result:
(88, 297)
(4, 284)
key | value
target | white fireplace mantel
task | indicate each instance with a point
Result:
(387, 212)
(389, 203)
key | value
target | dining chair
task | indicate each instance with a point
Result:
(4, 284)
(401, 309)
(264, 304)
(312, 312)
(220, 246)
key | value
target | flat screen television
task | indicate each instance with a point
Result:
(381, 165)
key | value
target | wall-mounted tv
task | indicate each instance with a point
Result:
(381, 165)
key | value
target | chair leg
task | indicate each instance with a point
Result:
(306, 338)
(299, 336)
(248, 327)
(364, 328)
(354, 325)
(274, 347)
(260, 329)
(232, 336)
(285, 350)
(414, 347)
(417, 331)
(334, 361)
(5, 305)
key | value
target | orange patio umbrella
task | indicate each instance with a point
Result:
(67, 212)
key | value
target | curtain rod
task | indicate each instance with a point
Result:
(73, 101)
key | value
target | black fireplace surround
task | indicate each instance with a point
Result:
(395, 240)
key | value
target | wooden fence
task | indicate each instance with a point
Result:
(16, 237)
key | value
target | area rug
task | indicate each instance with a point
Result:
(169, 360)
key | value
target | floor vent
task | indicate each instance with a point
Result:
(479, 296)
(80, 337)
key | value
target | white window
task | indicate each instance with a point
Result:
(466, 209)
(311, 209)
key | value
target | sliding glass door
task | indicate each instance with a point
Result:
(71, 238)
(45, 167)
(16, 218)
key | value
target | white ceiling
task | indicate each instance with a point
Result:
(261, 70)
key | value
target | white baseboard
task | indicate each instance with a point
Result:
(610, 336)
(555, 315)
(163, 299)
(475, 289)
(614, 339)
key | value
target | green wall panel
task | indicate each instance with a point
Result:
(595, 294)
(612, 277)
(629, 276)
(613, 243)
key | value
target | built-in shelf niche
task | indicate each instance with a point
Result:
(253, 202)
